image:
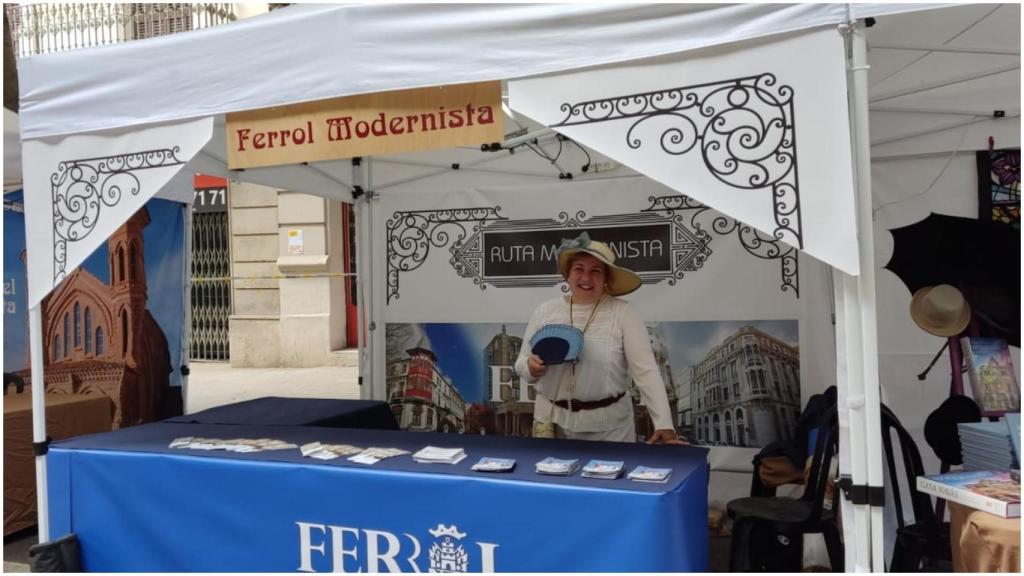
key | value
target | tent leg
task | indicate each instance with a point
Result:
(358, 205)
(35, 326)
(868, 387)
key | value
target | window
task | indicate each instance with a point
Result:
(728, 428)
(56, 348)
(67, 335)
(718, 428)
(124, 333)
(78, 325)
(741, 439)
(132, 262)
(99, 341)
(88, 330)
(120, 264)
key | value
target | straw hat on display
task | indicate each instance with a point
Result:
(940, 310)
(620, 280)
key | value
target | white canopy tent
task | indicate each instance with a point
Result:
(76, 100)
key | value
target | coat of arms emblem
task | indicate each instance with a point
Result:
(446, 554)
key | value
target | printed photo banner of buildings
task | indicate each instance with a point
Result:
(663, 242)
(729, 383)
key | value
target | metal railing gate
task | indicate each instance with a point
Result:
(211, 276)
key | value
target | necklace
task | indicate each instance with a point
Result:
(572, 381)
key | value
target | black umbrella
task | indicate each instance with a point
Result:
(980, 258)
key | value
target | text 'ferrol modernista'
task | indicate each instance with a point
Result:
(381, 123)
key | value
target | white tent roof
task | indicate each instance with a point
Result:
(312, 52)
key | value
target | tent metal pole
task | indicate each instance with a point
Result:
(35, 326)
(866, 288)
(357, 206)
(995, 50)
(186, 340)
(373, 350)
(378, 300)
(947, 111)
(935, 129)
(948, 82)
(439, 171)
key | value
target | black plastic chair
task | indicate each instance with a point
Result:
(926, 540)
(768, 532)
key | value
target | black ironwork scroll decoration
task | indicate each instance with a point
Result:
(410, 235)
(744, 128)
(753, 241)
(80, 189)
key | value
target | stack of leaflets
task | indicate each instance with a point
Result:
(645, 474)
(993, 492)
(240, 445)
(606, 469)
(435, 455)
(373, 455)
(986, 446)
(488, 464)
(328, 451)
(557, 467)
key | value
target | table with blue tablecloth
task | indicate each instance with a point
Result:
(138, 505)
(278, 411)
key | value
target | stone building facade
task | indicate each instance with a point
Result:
(746, 391)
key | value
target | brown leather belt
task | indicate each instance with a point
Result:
(578, 405)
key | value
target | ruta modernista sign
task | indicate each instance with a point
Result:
(368, 124)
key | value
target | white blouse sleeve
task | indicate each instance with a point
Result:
(644, 369)
(524, 352)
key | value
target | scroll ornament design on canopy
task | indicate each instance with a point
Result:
(753, 241)
(80, 189)
(410, 236)
(744, 129)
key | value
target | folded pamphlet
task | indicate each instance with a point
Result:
(645, 474)
(435, 455)
(488, 464)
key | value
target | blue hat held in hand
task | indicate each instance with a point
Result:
(557, 344)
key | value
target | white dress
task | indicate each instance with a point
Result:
(616, 347)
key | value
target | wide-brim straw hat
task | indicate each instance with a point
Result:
(620, 280)
(940, 310)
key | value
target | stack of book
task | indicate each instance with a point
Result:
(607, 469)
(993, 492)
(986, 446)
(435, 455)
(557, 467)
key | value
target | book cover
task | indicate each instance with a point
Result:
(990, 371)
(993, 492)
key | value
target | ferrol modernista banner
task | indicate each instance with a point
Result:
(381, 123)
(113, 326)
(738, 322)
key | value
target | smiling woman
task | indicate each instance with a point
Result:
(588, 399)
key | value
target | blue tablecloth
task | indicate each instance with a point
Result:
(276, 411)
(137, 505)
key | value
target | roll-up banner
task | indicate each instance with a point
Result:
(113, 327)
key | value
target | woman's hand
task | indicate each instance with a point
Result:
(536, 366)
(665, 436)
